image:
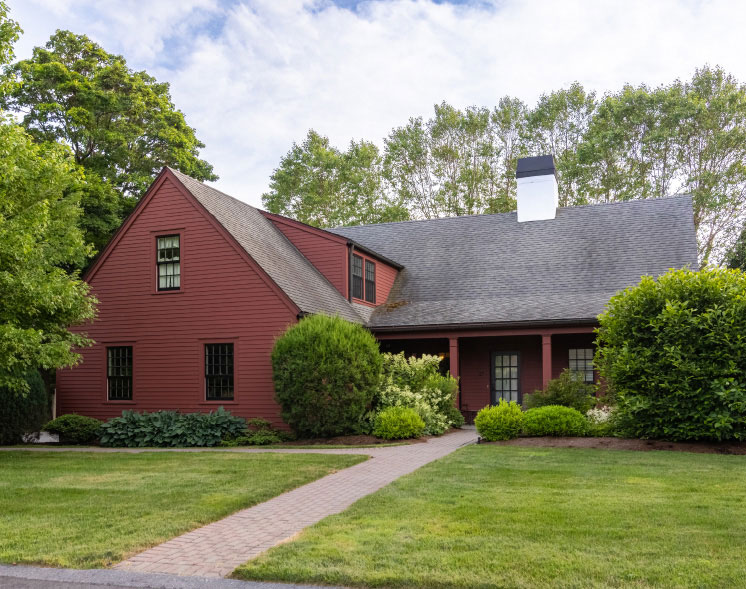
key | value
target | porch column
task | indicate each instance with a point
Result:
(453, 366)
(546, 359)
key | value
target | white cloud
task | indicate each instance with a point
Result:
(278, 68)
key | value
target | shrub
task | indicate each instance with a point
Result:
(258, 432)
(398, 423)
(417, 383)
(673, 353)
(75, 429)
(566, 390)
(600, 422)
(554, 420)
(170, 429)
(499, 422)
(455, 417)
(23, 412)
(326, 371)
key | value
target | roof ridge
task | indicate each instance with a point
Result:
(569, 207)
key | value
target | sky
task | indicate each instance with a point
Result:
(253, 76)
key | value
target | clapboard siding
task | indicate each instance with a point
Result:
(324, 250)
(224, 297)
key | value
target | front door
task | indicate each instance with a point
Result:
(505, 371)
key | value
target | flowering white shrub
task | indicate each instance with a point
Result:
(417, 383)
(599, 415)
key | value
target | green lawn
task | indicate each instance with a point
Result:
(501, 516)
(73, 509)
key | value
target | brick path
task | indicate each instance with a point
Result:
(216, 549)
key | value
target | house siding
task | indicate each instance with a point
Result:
(385, 276)
(325, 251)
(224, 297)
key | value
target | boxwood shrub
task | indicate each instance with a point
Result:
(398, 423)
(75, 429)
(673, 353)
(499, 422)
(326, 371)
(554, 420)
(171, 429)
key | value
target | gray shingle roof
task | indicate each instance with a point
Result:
(269, 248)
(491, 269)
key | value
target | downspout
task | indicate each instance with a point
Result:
(350, 250)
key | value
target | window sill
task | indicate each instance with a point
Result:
(114, 402)
(217, 403)
(168, 292)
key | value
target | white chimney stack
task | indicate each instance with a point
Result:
(537, 196)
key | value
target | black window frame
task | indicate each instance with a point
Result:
(119, 369)
(370, 283)
(165, 262)
(219, 371)
(574, 364)
(497, 394)
(357, 279)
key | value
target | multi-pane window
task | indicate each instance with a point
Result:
(168, 258)
(357, 277)
(119, 373)
(219, 372)
(581, 363)
(370, 281)
(506, 376)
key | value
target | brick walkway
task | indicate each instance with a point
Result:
(215, 550)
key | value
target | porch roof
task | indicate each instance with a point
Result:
(490, 269)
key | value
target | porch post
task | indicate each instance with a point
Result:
(453, 367)
(546, 359)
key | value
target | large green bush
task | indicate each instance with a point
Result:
(171, 429)
(673, 352)
(326, 371)
(398, 423)
(23, 412)
(499, 422)
(417, 383)
(566, 390)
(74, 429)
(554, 420)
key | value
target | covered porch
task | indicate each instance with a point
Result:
(500, 363)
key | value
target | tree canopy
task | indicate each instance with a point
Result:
(638, 142)
(120, 124)
(39, 237)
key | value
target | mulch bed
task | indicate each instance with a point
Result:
(623, 444)
(361, 440)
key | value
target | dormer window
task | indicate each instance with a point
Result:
(363, 285)
(357, 277)
(168, 260)
(370, 281)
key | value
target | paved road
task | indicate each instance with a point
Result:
(22, 577)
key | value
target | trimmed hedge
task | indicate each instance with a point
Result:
(673, 352)
(75, 429)
(22, 413)
(326, 371)
(398, 423)
(499, 422)
(171, 429)
(554, 420)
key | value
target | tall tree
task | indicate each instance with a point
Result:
(318, 184)
(736, 257)
(120, 124)
(9, 33)
(39, 236)
(557, 126)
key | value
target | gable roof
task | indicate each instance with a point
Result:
(490, 269)
(267, 245)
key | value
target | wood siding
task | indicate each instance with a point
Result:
(385, 276)
(224, 297)
(324, 250)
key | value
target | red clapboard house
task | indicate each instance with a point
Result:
(196, 285)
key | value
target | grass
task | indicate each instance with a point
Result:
(83, 510)
(503, 516)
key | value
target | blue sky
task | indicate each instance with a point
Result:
(254, 76)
